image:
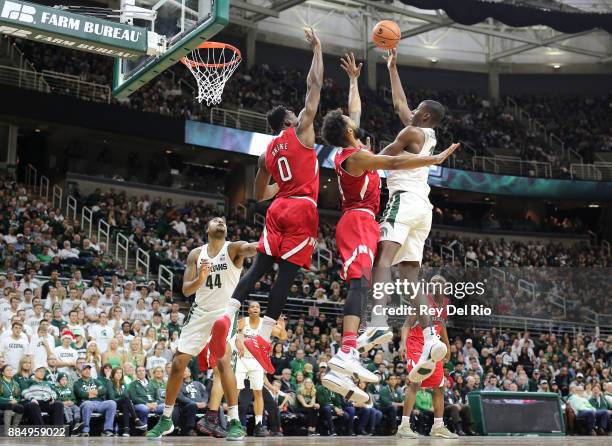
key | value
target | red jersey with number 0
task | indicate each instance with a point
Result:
(293, 166)
(415, 335)
(362, 192)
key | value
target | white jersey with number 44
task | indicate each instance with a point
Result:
(221, 281)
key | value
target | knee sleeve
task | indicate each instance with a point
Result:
(357, 292)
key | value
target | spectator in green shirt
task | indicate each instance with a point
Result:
(307, 404)
(330, 404)
(139, 393)
(391, 401)
(118, 392)
(598, 400)
(297, 364)
(91, 394)
(72, 412)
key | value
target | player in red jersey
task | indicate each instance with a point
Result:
(357, 231)
(411, 348)
(290, 231)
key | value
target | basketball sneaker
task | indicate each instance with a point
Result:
(349, 364)
(209, 425)
(345, 386)
(218, 336)
(404, 431)
(372, 337)
(260, 349)
(434, 351)
(235, 432)
(163, 427)
(442, 432)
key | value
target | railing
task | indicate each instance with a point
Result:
(297, 307)
(104, 233)
(527, 286)
(559, 302)
(71, 207)
(606, 245)
(240, 119)
(447, 253)
(241, 210)
(122, 244)
(31, 176)
(259, 220)
(512, 165)
(605, 167)
(585, 172)
(498, 273)
(44, 187)
(470, 262)
(142, 260)
(87, 218)
(50, 82)
(166, 276)
(325, 254)
(58, 194)
(71, 85)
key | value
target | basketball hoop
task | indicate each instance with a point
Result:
(212, 64)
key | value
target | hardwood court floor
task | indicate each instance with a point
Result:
(315, 441)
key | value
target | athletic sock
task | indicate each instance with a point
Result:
(266, 328)
(168, 411)
(258, 419)
(232, 306)
(438, 422)
(232, 412)
(406, 420)
(349, 340)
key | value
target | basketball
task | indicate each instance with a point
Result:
(386, 34)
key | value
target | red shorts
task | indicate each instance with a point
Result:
(291, 230)
(436, 379)
(357, 235)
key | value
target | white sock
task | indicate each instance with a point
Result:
(429, 333)
(266, 328)
(233, 305)
(406, 421)
(168, 411)
(232, 412)
(258, 419)
(438, 422)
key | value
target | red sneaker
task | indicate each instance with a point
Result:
(260, 349)
(218, 336)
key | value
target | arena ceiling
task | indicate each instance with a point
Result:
(432, 37)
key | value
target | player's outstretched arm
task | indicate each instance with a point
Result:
(353, 71)
(263, 189)
(314, 83)
(194, 278)
(400, 103)
(238, 251)
(365, 160)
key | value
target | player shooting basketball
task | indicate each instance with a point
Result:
(290, 231)
(357, 231)
(406, 222)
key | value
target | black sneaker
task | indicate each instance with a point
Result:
(260, 431)
(107, 434)
(277, 434)
(77, 427)
(138, 424)
(210, 426)
(84, 434)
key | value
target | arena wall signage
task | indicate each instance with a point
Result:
(251, 143)
(54, 26)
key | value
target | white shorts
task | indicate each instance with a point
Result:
(196, 332)
(407, 221)
(251, 369)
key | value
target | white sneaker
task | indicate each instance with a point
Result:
(433, 351)
(372, 337)
(345, 386)
(404, 431)
(442, 432)
(349, 364)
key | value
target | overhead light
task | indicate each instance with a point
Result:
(553, 51)
(433, 59)
(168, 151)
(325, 186)
(225, 161)
(556, 66)
(430, 46)
(593, 205)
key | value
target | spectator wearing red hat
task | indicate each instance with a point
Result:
(66, 355)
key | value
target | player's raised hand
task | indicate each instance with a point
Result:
(391, 58)
(441, 157)
(312, 38)
(349, 65)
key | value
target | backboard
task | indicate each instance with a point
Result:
(184, 23)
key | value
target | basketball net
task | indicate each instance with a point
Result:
(212, 64)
